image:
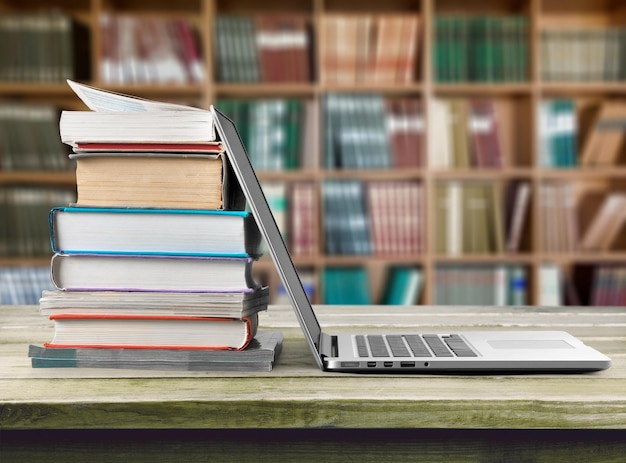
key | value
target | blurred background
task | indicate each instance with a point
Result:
(413, 152)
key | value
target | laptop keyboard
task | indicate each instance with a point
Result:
(412, 345)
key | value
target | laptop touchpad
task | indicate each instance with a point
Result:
(529, 344)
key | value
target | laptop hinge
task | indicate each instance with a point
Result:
(328, 345)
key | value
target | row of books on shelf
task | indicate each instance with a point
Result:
(372, 132)
(481, 284)
(23, 285)
(43, 47)
(379, 218)
(465, 133)
(557, 133)
(583, 54)
(469, 219)
(24, 228)
(365, 132)
(148, 49)
(295, 207)
(564, 142)
(365, 48)
(351, 285)
(578, 217)
(480, 48)
(268, 47)
(478, 217)
(279, 47)
(152, 272)
(277, 133)
(585, 284)
(29, 138)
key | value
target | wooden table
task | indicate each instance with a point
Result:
(299, 413)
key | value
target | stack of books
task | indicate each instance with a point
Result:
(153, 263)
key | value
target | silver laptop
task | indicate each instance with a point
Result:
(468, 351)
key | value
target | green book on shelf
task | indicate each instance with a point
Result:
(346, 285)
(403, 286)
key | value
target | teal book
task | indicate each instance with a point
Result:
(403, 286)
(193, 232)
(346, 286)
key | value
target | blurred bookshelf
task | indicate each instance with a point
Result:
(424, 151)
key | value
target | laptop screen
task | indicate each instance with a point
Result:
(265, 220)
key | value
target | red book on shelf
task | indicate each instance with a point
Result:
(484, 134)
(405, 126)
(303, 219)
(283, 47)
(395, 217)
(189, 50)
(151, 331)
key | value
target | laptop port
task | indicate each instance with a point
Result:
(388, 364)
(371, 364)
(407, 364)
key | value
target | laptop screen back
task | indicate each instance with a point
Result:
(265, 220)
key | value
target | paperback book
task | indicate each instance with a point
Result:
(260, 355)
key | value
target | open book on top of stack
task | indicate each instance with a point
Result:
(156, 254)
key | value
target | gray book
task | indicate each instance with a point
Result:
(260, 355)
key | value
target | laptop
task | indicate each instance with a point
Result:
(468, 351)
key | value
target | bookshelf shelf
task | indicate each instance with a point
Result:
(409, 88)
(25, 262)
(504, 173)
(586, 88)
(483, 89)
(28, 89)
(265, 90)
(374, 174)
(37, 178)
(583, 173)
(517, 95)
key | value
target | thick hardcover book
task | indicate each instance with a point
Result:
(136, 331)
(92, 272)
(261, 354)
(234, 304)
(78, 230)
(183, 126)
(159, 180)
